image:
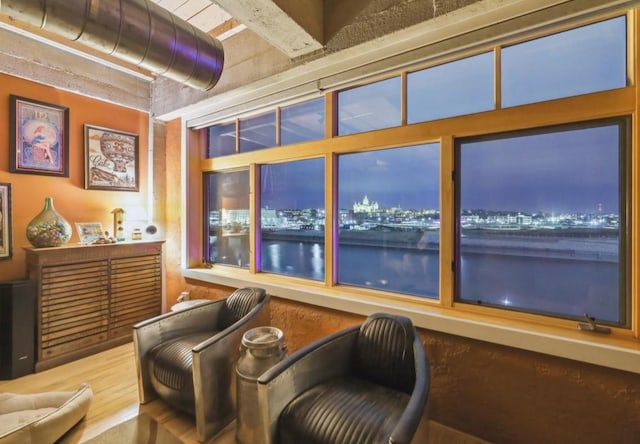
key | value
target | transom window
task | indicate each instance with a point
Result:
(579, 61)
(369, 107)
(461, 87)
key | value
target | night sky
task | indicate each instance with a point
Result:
(564, 171)
(569, 171)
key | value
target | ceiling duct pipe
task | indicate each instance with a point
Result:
(137, 31)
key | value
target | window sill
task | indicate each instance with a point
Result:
(593, 348)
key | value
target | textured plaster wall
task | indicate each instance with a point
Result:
(508, 395)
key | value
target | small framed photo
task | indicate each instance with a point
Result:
(89, 231)
(38, 136)
(5, 221)
(111, 159)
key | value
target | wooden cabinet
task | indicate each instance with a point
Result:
(89, 297)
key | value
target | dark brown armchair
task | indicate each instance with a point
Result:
(366, 384)
(188, 357)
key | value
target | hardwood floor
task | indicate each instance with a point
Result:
(112, 376)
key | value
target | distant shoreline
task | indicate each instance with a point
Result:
(560, 244)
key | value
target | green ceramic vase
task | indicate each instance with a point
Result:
(48, 228)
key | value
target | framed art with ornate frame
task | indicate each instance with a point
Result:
(38, 134)
(5, 221)
(111, 159)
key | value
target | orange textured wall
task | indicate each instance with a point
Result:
(173, 204)
(69, 196)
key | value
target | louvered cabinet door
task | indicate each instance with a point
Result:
(89, 296)
(74, 308)
(136, 292)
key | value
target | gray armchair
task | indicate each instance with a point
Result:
(366, 384)
(188, 357)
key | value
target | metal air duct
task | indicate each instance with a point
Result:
(136, 31)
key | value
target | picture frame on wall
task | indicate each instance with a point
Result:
(5, 221)
(111, 159)
(38, 137)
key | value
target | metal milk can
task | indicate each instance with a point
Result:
(261, 348)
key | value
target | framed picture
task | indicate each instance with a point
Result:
(111, 159)
(89, 231)
(5, 220)
(38, 136)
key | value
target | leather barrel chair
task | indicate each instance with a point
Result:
(188, 357)
(366, 384)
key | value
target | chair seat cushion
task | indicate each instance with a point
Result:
(342, 411)
(171, 369)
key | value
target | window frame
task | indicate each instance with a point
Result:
(531, 331)
(624, 167)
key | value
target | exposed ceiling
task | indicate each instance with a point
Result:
(204, 15)
(294, 27)
(297, 28)
(310, 39)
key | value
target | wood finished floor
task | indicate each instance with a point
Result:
(112, 376)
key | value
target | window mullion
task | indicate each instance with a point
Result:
(403, 98)
(331, 114)
(447, 220)
(497, 78)
(634, 181)
(331, 214)
(254, 217)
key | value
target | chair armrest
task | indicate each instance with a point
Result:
(151, 332)
(214, 375)
(414, 412)
(325, 359)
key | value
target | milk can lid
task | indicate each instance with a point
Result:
(262, 337)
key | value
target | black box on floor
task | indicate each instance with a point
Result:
(17, 328)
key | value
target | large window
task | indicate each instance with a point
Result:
(292, 218)
(227, 214)
(523, 205)
(390, 220)
(540, 221)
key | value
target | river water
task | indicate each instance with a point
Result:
(547, 285)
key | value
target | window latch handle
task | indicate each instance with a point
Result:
(591, 325)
